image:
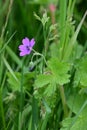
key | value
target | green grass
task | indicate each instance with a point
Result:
(46, 90)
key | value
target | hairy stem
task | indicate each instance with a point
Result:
(63, 98)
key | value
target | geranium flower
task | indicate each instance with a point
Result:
(26, 47)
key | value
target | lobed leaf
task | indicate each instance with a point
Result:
(59, 71)
(81, 72)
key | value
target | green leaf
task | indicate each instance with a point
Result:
(75, 102)
(45, 84)
(9, 68)
(52, 28)
(79, 124)
(74, 38)
(81, 72)
(14, 56)
(15, 84)
(78, 105)
(48, 110)
(42, 80)
(59, 71)
(54, 50)
(37, 17)
(44, 123)
(66, 123)
(44, 19)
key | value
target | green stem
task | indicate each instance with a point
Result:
(21, 97)
(21, 89)
(63, 98)
(38, 54)
(2, 111)
(44, 34)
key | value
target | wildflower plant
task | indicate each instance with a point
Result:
(57, 70)
(45, 90)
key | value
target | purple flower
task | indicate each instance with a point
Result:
(26, 47)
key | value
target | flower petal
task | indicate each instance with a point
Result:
(32, 42)
(22, 53)
(28, 52)
(26, 41)
(22, 47)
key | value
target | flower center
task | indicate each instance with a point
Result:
(28, 48)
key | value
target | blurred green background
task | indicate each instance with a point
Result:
(17, 16)
(22, 20)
